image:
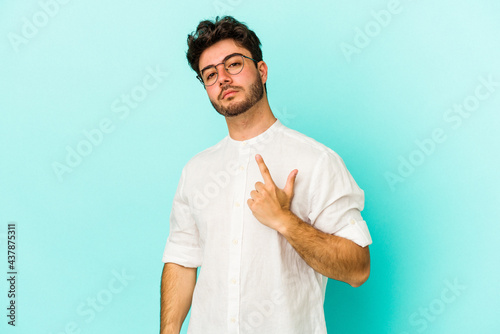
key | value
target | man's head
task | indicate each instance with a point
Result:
(212, 44)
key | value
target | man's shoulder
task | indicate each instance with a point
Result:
(205, 156)
(307, 145)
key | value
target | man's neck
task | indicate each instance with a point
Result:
(251, 123)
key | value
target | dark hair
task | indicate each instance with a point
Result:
(208, 33)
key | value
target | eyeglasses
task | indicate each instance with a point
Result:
(233, 64)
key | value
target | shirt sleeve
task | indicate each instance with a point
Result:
(183, 240)
(336, 201)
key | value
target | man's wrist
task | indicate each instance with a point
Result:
(287, 221)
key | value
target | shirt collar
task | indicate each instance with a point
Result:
(269, 133)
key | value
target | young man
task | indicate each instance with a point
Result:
(268, 214)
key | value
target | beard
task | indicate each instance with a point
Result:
(235, 109)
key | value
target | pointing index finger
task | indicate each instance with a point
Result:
(264, 170)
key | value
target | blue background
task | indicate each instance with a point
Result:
(373, 80)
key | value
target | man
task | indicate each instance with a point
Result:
(267, 214)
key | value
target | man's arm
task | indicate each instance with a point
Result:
(177, 286)
(330, 255)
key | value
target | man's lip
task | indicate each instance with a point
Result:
(228, 92)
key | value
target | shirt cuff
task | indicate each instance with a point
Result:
(356, 231)
(185, 256)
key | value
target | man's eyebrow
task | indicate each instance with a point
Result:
(223, 60)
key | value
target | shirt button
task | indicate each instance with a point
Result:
(233, 319)
(244, 143)
(233, 281)
(237, 204)
(242, 167)
(235, 241)
(353, 222)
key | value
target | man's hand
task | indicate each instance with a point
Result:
(270, 204)
(328, 254)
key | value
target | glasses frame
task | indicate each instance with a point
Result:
(223, 63)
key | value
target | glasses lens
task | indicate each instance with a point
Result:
(234, 65)
(209, 76)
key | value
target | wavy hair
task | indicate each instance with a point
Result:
(210, 32)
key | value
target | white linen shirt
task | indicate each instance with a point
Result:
(251, 280)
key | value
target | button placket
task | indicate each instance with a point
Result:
(234, 270)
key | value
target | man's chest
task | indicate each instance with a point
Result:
(218, 194)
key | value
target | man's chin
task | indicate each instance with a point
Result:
(231, 112)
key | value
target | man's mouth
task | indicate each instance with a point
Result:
(228, 93)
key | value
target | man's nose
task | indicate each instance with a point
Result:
(224, 77)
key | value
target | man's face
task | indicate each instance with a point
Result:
(232, 95)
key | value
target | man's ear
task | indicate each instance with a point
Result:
(262, 67)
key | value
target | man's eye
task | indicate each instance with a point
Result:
(210, 75)
(235, 64)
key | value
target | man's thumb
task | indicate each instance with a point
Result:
(290, 182)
